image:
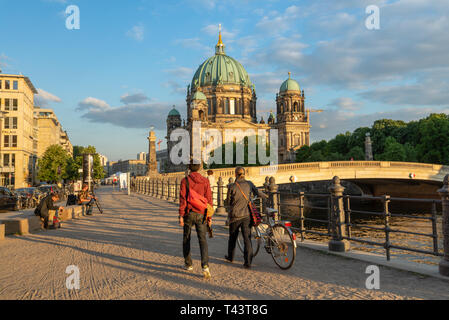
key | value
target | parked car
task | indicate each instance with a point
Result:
(8, 200)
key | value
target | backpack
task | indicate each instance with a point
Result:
(38, 209)
(72, 200)
(198, 202)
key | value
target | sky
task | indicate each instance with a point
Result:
(130, 61)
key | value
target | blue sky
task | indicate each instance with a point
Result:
(130, 61)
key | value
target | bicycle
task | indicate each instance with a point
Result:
(278, 240)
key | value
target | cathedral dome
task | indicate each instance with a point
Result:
(174, 112)
(290, 85)
(220, 69)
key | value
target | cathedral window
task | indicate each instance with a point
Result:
(232, 106)
(226, 102)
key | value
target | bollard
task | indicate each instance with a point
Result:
(220, 204)
(156, 184)
(274, 197)
(302, 214)
(444, 193)
(163, 193)
(152, 187)
(292, 184)
(338, 228)
(169, 189)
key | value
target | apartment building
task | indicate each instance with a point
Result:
(18, 136)
(50, 131)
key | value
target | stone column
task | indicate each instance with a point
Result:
(164, 190)
(368, 148)
(152, 162)
(338, 229)
(444, 193)
(156, 193)
(220, 203)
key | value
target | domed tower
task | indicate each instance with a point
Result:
(174, 122)
(292, 122)
(226, 86)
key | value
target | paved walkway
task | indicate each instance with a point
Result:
(134, 252)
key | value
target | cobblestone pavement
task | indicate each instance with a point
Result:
(133, 251)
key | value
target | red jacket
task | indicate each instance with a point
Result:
(198, 183)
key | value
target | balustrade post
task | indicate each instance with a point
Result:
(220, 203)
(153, 187)
(338, 228)
(302, 214)
(444, 193)
(177, 189)
(227, 204)
(164, 189)
(147, 187)
(157, 188)
(274, 196)
(170, 190)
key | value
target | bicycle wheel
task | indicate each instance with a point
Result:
(255, 241)
(282, 246)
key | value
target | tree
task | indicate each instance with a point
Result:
(394, 151)
(356, 153)
(52, 166)
(78, 151)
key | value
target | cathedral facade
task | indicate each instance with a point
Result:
(221, 96)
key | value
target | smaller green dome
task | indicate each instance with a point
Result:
(174, 112)
(199, 96)
(290, 85)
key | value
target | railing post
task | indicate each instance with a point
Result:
(337, 243)
(147, 186)
(164, 189)
(301, 214)
(444, 193)
(230, 183)
(153, 187)
(177, 187)
(274, 197)
(170, 191)
(387, 215)
(292, 184)
(157, 188)
(220, 205)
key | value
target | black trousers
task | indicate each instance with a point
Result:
(197, 220)
(245, 226)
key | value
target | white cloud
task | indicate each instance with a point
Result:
(137, 33)
(133, 98)
(43, 98)
(91, 103)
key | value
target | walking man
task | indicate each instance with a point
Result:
(194, 186)
(239, 195)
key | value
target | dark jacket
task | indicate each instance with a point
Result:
(238, 204)
(46, 205)
(198, 183)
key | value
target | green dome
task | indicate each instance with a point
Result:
(221, 69)
(290, 85)
(174, 112)
(199, 96)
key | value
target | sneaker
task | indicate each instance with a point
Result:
(188, 268)
(228, 259)
(206, 273)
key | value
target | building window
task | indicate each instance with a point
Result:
(13, 160)
(14, 104)
(6, 160)
(232, 106)
(14, 142)
(7, 104)
(7, 85)
(226, 103)
(6, 142)
(0, 84)
(209, 106)
(15, 85)
(7, 123)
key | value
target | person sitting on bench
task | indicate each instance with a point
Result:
(47, 204)
(87, 199)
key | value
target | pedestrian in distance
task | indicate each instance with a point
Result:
(194, 194)
(239, 195)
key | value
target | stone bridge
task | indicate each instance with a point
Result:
(404, 179)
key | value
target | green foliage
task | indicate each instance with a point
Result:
(52, 165)
(78, 151)
(424, 141)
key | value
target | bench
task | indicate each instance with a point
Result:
(22, 223)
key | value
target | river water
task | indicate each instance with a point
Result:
(290, 211)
